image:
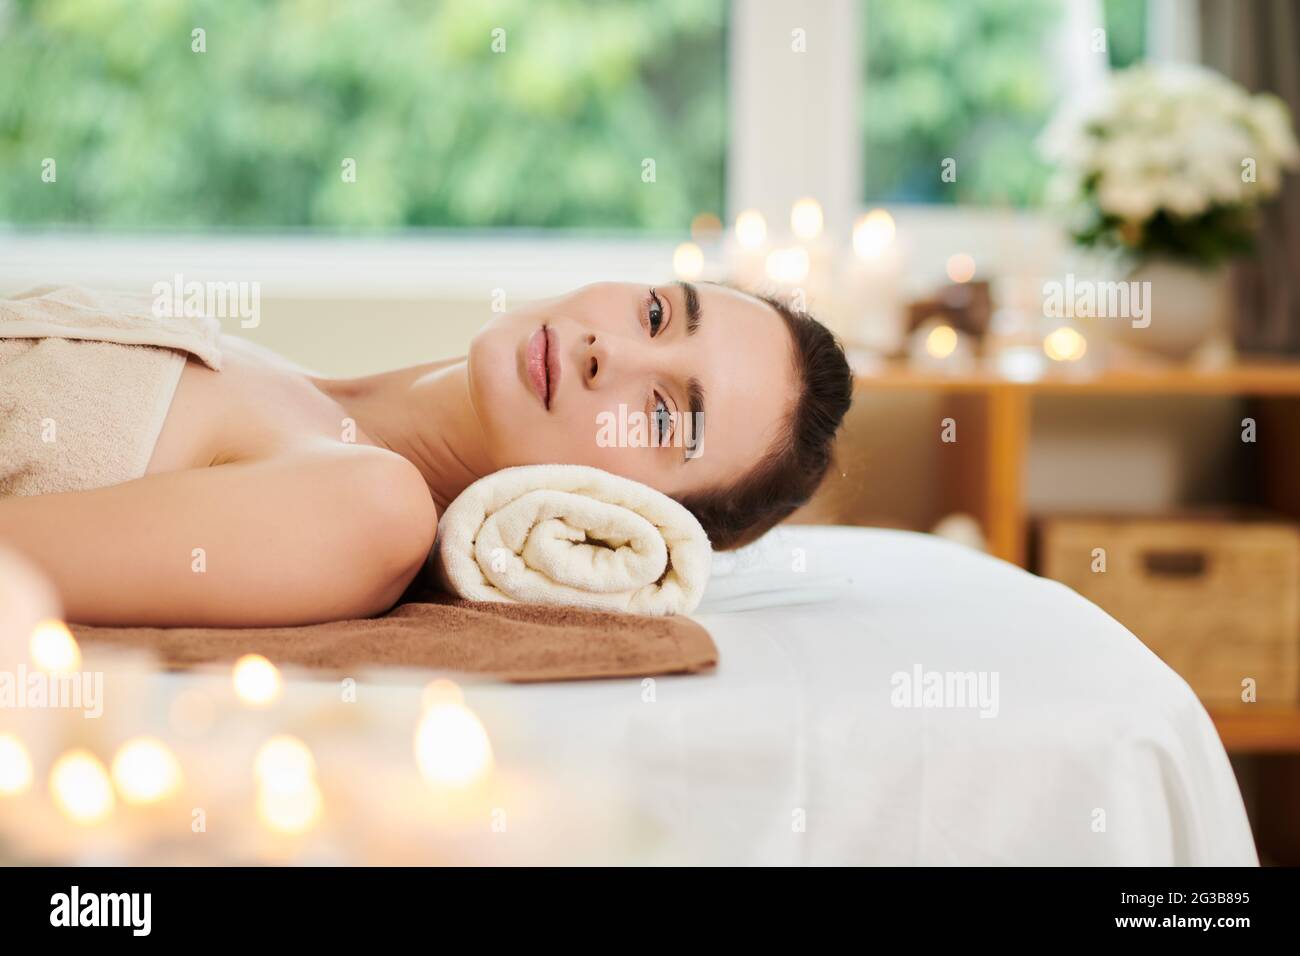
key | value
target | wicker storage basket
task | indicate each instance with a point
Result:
(1218, 600)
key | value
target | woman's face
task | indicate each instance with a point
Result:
(680, 387)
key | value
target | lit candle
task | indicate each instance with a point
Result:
(688, 261)
(873, 233)
(873, 285)
(289, 800)
(1065, 344)
(936, 346)
(451, 745)
(806, 219)
(80, 788)
(941, 342)
(256, 680)
(27, 600)
(289, 810)
(53, 648)
(788, 265)
(747, 249)
(15, 766)
(814, 291)
(284, 761)
(751, 229)
(145, 771)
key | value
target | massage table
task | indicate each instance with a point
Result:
(1055, 737)
(793, 751)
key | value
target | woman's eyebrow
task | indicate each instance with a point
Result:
(692, 298)
(694, 390)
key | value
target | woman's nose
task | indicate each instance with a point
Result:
(595, 360)
(608, 358)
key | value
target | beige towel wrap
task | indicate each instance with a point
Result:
(86, 379)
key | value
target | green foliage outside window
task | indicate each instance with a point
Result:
(974, 81)
(253, 133)
(971, 81)
(1126, 30)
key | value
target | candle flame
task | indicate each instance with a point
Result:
(1065, 345)
(288, 797)
(751, 229)
(145, 771)
(806, 218)
(257, 681)
(941, 342)
(788, 266)
(873, 233)
(284, 761)
(451, 746)
(441, 691)
(15, 766)
(289, 810)
(80, 787)
(688, 261)
(53, 648)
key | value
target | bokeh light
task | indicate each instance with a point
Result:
(1065, 345)
(751, 229)
(806, 219)
(961, 267)
(145, 771)
(706, 227)
(284, 761)
(257, 681)
(688, 261)
(873, 233)
(941, 342)
(15, 766)
(80, 787)
(53, 648)
(451, 746)
(288, 797)
(289, 810)
(441, 691)
(788, 266)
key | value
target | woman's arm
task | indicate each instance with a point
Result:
(310, 536)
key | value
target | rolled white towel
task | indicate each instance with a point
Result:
(572, 535)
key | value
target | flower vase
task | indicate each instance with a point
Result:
(1188, 312)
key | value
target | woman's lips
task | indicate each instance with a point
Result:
(552, 366)
(539, 375)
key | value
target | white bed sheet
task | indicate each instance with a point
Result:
(792, 752)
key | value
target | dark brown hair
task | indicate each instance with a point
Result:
(801, 452)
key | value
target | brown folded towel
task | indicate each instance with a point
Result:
(516, 642)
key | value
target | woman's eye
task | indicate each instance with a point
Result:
(663, 419)
(655, 314)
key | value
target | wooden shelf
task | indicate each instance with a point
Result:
(1247, 378)
(983, 472)
(1251, 730)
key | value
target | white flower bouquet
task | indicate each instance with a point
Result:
(1169, 161)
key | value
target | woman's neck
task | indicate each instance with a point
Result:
(424, 414)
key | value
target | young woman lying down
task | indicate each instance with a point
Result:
(317, 499)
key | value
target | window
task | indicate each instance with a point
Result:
(449, 123)
(973, 83)
(1126, 30)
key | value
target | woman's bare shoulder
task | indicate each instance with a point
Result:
(381, 491)
(383, 519)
